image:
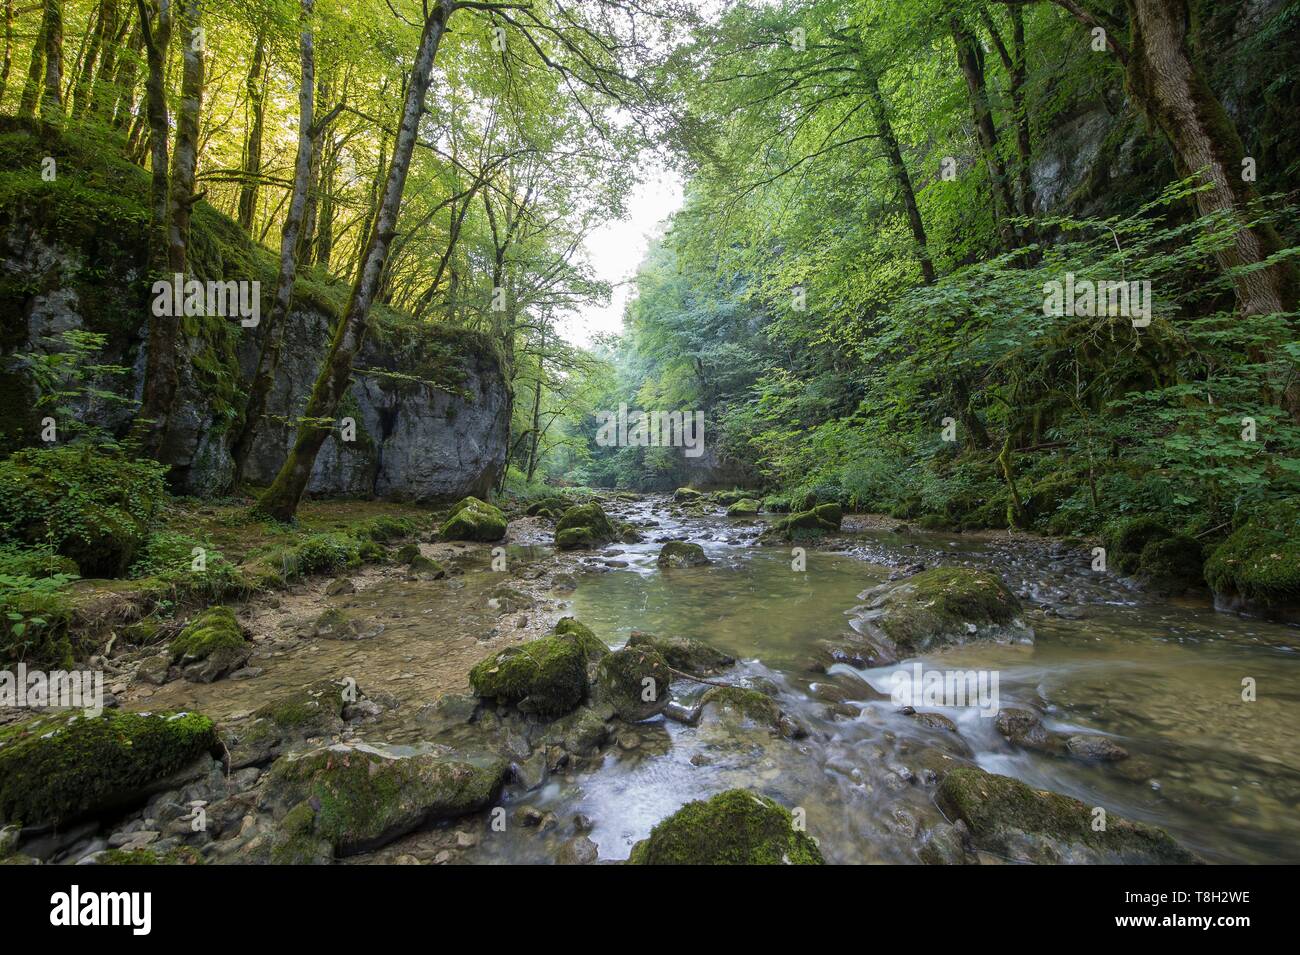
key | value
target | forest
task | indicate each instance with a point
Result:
(933, 489)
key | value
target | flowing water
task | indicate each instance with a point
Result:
(1163, 678)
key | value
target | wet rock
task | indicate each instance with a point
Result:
(1023, 727)
(309, 712)
(362, 797)
(448, 711)
(584, 526)
(933, 720)
(153, 669)
(1098, 749)
(210, 646)
(634, 681)
(684, 653)
(947, 845)
(681, 554)
(733, 828)
(938, 608)
(736, 702)
(474, 520)
(851, 652)
(334, 624)
(581, 733)
(686, 495)
(745, 507)
(583, 823)
(339, 586)
(577, 851)
(815, 522)
(1009, 818)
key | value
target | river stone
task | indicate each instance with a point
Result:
(681, 554)
(211, 645)
(938, 608)
(309, 712)
(634, 681)
(1015, 821)
(363, 796)
(684, 653)
(738, 702)
(819, 520)
(474, 520)
(547, 676)
(582, 732)
(745, 507)
(732, 828)
(585, 525)
(577, 851)
(1023, 727)
(1097, 749)
(340, 586)
(684, 495)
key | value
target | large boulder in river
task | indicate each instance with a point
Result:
(547, 676)
(818, 520)
(584, 526)
(634, 681)
(360, 797)
(61, 767)
(733, 828)
(1009, 818)
(938, 608)
(684, 653)
(745, 507)
(681, 554)
(473, 520)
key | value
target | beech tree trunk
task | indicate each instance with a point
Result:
(100, 37)
(9, 47)
(273, 335)
(52, 97)
(35, 71)
(185, 156)
(281, 499)
(253, 143)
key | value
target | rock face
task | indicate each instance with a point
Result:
(413, 441)
(733, 828)
(1029, 825)
(937, 608)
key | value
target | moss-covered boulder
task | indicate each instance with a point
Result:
(744, 704)
(593, 648)
(1172, 565)
(90, 505)
(745, 507)
(732, 828)
(55, 769)
(938, 608)
(312, 711)
(681, 554)
(1126, 540)
(684, 653)
(211, 645)
(634, 681)
(361, 797)
(549, 507)
(1016, 821)
(686, 495)
(586, 525)
(180, 855)
(547, 676)
(814, 522)
(1257, 570)
(473, 520)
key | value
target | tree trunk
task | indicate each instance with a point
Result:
(898, 168)
(1018, 73)
(971, 60)
(185, 156)
(9, 47)
(123, 88)
(281, 499)
(35, 71)
(52, 98)
(273, 334)
(102, 89)
(252, 165)
(160, 377)
(105, 25)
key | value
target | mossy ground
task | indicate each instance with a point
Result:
(732, 828)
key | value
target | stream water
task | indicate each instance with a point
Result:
(1162, 678)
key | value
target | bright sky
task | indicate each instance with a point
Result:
(617, 248)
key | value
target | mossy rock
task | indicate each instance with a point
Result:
(308, 712)
(210, 646)
(586, 525)
(941, 607)
(1126, 540)
(776, 504)
(685, 495)
(1014, 820)
(180, 855)
(684, 653)
(547, 676)
(745, 703)
(551, 507)
(56, 769)
(362, 797)
(814, 522)
(634, 681)
(593, 648)
(1172, 565)
(407, 553)
(681, 554)
(474, 520)
(745, 507)
(1257, 571)
(732, 828)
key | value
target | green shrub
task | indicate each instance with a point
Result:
(91, 505)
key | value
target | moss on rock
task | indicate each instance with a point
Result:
(745, 507)
(1172, 565)
(1126, 540)
(1257, 570)
(684, 653)
(634, 681)
(1008, 817)
(55, 769)
(474, 520)
(547, 676)
(586, 525)
(681, 554)
(593, 648)
(732, 828)
(211, 645)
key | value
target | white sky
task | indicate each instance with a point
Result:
(617, 248)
